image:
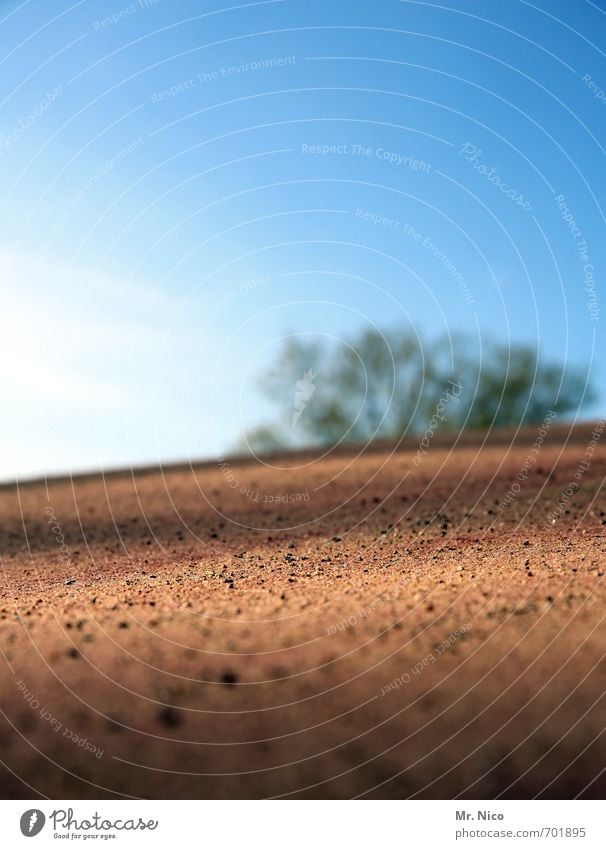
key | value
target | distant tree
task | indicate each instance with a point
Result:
(515, 387)
(388, 384)
(264, 439)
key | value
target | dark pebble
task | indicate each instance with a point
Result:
(170, 717)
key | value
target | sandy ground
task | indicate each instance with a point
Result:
(352, 625)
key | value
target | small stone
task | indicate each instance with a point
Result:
(170, 717)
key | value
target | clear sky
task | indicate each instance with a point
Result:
(182, 183)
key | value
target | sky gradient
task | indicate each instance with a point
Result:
(182, 184)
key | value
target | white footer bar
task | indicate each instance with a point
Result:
(301, 824)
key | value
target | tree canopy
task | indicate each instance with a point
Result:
(385, 385)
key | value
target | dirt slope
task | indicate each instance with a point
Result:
(363, 624)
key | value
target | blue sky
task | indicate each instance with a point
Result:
(183, 183)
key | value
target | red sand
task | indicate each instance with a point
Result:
(383, 630)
